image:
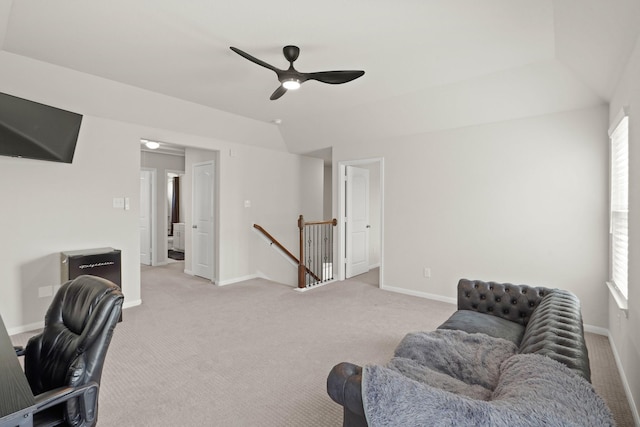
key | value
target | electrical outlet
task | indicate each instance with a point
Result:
(426, 272)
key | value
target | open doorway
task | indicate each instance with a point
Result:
(182, 240)
(175, 225)
(164, 160)
(361, 217)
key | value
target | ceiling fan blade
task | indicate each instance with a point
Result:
(278, 93)
(334, 77)
(254, 59)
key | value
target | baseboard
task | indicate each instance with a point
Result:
(625, 383)
(434, 297)
(129, 304)
(25, 328)
(596, 330)
(229, 281)
(239, 279)
(39, 325)
(319, 285)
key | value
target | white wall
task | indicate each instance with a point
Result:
(57, 207)
(312, 188)
(279, 187)
(327, 208)
(522, 201)
(52, 207)
(624, 331)
(39, 81)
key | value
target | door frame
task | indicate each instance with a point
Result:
(341, 242)
(152, 214)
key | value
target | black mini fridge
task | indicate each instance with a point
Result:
(101, 262)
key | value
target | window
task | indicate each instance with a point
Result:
(619, 212)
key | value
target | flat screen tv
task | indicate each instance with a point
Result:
(37, 131)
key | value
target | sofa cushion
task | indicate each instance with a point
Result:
(474, 322)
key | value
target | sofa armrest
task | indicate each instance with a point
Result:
(344, 385)
(508, 301)
(556, 331)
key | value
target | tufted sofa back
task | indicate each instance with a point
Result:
(511, 302)
(552, 318)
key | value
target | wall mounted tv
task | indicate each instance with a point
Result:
(37, 131)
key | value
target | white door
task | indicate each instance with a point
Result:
(357, 221)
(202, 257)
(145, 216)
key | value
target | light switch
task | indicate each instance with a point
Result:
(247, 203)
(127, 203)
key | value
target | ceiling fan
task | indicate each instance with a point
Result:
(291, 78)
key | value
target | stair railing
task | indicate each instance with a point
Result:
(316, 252)
(274, 242)
(315, 264)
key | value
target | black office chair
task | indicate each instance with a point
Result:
(64, 362)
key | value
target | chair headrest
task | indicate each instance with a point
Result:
(81, 296)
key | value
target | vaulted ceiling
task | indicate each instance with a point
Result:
(429, 64)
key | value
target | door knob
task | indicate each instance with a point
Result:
(194, 226)
(368, 226)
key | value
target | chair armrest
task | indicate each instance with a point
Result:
(344, 386)
(87, 396)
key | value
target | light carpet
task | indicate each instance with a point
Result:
(258, 353)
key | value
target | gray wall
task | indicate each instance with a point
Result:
(623, 330)
(58, 207)
(521, 201)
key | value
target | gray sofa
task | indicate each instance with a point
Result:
(537, 320)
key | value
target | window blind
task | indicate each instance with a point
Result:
(620, 205)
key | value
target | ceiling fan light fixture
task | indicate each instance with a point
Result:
(291, 84)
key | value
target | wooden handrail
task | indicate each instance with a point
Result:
(285, 250)
(278, 244)
(333, 222)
